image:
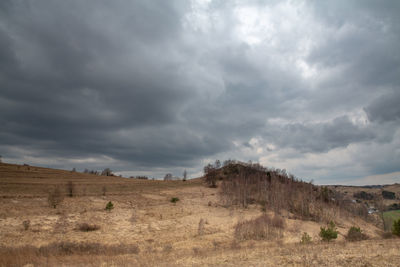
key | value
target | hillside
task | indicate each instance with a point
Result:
(145, 228)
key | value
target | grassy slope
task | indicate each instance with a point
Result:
(31, 181)
(166, 233)
(389, 217)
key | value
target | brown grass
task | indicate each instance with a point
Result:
(163, 234)
(262, 227)
(86, 227)
(18, 256)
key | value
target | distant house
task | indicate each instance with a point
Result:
(372, 210)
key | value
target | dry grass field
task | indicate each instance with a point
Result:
(146, 229)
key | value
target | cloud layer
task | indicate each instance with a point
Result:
(149, 87)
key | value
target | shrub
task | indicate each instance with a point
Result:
(305, 238)
(26, 224)
(355, 234)
(174, 199)
(55, 197)
(278, 222)
(259, 228)
(85, 227)
(167, 248)
(200, 230)
(109, 206)
(70, 189)
(396, 227)
(388, 194)
(329, 233)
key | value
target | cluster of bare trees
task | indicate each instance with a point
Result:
(246, 183)
(105, 172)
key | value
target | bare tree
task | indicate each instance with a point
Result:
(107, 172)
(55, 197)
(70, 188)
(184, 175)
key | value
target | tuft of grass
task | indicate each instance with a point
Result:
(26, 224)
(86, 227)
(396, 228)
(167, 248)
(305, 238)
(201, 228)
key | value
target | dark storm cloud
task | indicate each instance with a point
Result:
(76, 81)
(321, 137)
(385, 108)
(171, 84)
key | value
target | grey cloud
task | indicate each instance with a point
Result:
(320, 137)
(135, 82)
(385, 108)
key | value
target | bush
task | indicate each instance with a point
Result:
(278, 222)
(109, 206)
(200, 230)
(259, 228)
(305, 238)
(388, 194)
(396, 227)
(329, 233)
(70, 189)
(85, 227)
(55, 197)
(387, 235)
(355, 234)
(174, 199)
(26, 224)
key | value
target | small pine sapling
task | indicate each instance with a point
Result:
(109, 206)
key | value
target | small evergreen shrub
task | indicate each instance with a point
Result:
(109, 206)
(396, 227)
(355, 234)
(174, 199)
(328, 233)
(305, 239)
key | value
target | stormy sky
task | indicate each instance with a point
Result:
(150, 87)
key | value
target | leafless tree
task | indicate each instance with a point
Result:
(70, 189)
(107, 172)
(184, 175)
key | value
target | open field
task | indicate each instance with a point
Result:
(389, 217)
(146, 229)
